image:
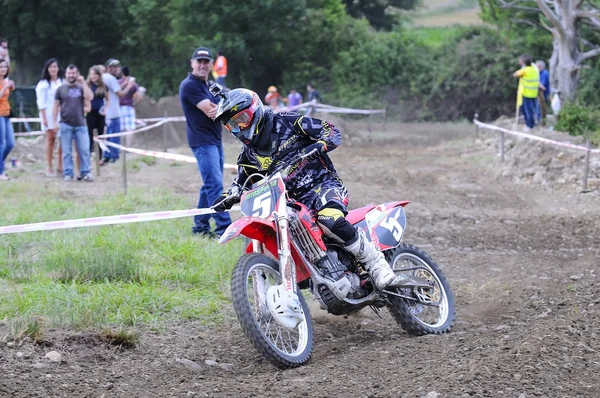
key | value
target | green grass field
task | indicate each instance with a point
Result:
(118, 277)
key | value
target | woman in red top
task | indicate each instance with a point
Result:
(7, 136)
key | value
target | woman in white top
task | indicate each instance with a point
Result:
(52, 78)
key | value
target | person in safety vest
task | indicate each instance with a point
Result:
(271, 139)
(220, 69)
(530, 81)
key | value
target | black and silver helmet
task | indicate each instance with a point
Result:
(242, 112)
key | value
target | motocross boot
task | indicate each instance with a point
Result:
(373, 260)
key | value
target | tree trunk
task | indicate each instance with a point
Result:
(568, 69)
(565, 18)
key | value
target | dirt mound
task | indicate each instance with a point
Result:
(534, 162)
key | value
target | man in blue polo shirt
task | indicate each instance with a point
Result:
(204, 138)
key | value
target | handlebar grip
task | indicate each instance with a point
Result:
(311, 153)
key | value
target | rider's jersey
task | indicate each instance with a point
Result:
(295, 132)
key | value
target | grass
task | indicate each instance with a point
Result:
(106, 278)
(438, 13)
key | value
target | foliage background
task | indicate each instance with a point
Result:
(357, 53)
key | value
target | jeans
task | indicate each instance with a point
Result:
(113, 126)
(210, 159)
(7, 140)
(82, 140)
(529, 107)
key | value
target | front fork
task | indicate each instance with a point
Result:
(286, 265)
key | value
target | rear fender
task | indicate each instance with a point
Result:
(385, 225)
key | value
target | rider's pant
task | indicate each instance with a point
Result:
(330, 200)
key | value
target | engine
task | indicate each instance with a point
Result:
(334, 265)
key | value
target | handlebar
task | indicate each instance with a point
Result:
(292, 162)
(282, 167)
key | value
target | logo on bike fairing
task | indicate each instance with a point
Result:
(260, 190)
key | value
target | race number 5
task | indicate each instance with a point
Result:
(262, 205)
(392, 225)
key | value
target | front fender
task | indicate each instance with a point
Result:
(252, 227)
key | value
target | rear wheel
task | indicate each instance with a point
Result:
(285, 348)
(434, 313)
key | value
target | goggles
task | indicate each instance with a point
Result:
(240, 121)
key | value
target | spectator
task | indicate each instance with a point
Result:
(128, 101)
(530, 79)
(7, 137)
(4, 50)
(70, 99)
(543, 93)
(113, 122)
(204, 138)
(313, 95)
(52, 78)
(220, 68)
(273, 98)
(95, 117)
(294, 98)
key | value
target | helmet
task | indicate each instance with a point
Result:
(272, 89)
(243, 114)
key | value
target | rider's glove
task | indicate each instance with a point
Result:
(227, 200)
(314, 151)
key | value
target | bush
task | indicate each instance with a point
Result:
(467, 70)
(580, 120)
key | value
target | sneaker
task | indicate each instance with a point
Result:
(68, 178)
(4, 177)
(104, 161)
(88, 177)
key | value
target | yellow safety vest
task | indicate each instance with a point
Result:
(531, 82)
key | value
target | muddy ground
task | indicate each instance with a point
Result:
(521, 258)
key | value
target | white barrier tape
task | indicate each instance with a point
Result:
(535, 137)
(109, 220)
(131, 132)
(30, 133)
(162, 155)
(158, 119)
(25, 119)
(350, 111)
(295, 107)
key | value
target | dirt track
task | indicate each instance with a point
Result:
(521, 261)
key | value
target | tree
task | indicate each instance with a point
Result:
(566, 20)
(79, 32)
(378, 12)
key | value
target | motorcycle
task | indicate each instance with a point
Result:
(288, 252)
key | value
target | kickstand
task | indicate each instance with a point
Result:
(376, 311)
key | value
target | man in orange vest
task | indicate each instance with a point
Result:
(220, 68)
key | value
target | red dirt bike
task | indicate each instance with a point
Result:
(289, 252)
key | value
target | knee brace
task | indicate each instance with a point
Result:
(334, 225)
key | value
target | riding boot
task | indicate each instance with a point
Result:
(372, 259)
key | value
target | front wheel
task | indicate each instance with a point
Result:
(434, 311)
(252, 276)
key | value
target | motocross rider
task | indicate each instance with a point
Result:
(270, 139)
